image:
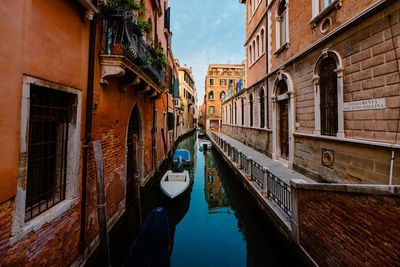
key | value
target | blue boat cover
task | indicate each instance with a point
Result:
(184, 153)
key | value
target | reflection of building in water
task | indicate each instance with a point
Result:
(216, 197)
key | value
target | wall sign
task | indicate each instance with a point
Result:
(379, 103)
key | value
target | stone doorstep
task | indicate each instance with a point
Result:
(277, 213)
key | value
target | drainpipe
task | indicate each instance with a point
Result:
(153, 137)
(88, 127)
(266, 62)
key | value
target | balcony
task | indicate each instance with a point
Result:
(125, 53)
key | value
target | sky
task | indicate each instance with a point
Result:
(207, 32)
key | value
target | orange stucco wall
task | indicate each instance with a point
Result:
(44, 39)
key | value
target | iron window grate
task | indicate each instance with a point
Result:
(49, 117)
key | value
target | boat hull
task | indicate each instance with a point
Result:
(172, 184)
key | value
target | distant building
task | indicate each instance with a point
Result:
(188, 98)
(222, 81)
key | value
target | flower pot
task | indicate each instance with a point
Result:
(116, 49)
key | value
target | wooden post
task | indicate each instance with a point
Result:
(101, 203)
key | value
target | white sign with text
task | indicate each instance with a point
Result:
(379, 103)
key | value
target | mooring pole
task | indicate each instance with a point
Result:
(101, 203)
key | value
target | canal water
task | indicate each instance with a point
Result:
(214, 223)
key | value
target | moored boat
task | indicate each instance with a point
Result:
(184, 154)
(174, 183)
(205, 144)
(152, 245)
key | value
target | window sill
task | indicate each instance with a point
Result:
(337, 4)
(36, 223)
(283, 47)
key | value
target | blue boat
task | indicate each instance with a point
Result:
(151, 247)
(184, 154)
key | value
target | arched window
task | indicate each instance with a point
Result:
(231, 114)
(242, 112)
(235, 114)
(258, 46)
(250, 8)
(262, 41)
(282, 17)
(250, 55)
(328, 97)
(262, 108)
(222, 95)
(211, 95)
(254, 51)
(251, 110)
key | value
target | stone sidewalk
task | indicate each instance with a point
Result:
(274, 167)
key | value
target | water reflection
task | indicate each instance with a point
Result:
(216, 197)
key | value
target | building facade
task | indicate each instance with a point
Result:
(332, 96)
(76, 77)
(221, 81)
(188, 100)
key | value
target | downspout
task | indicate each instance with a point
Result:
(266, 61)
(88, 128)
(398, 118)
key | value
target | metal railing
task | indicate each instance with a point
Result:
(123, 36)
(257, 173)
(279, 191)
(235, 154)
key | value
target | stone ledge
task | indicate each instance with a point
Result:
(348, 188)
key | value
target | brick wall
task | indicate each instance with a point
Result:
(349, 229)
(54, 244)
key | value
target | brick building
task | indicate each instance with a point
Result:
(73, 73)
(332, 95)
(188, 99)
(221, 81)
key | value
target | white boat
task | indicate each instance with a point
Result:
(174, 183)
(205, 144)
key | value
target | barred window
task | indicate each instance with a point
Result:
(328, 94)
(49, 118)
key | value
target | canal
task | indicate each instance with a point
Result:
(214, 223)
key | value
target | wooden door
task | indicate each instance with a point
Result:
(284, 128)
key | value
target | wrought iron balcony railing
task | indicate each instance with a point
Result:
(123, 36)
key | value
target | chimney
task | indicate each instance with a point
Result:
(190, 69)
(185, 65)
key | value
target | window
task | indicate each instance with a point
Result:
(258, 46)
(282, 23)
(231, 83)
(211, 109)
(324, 4)
(222, 82)
(250, 55)
(49, 119)
(222, 95)
(262, 109)
(262, 41)
(211, 82)
(328, 97)
(231, 114)
(235, 114)
(254, 51)
(211, 95)
(242, 112)
(251, 110)
(170, 121)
